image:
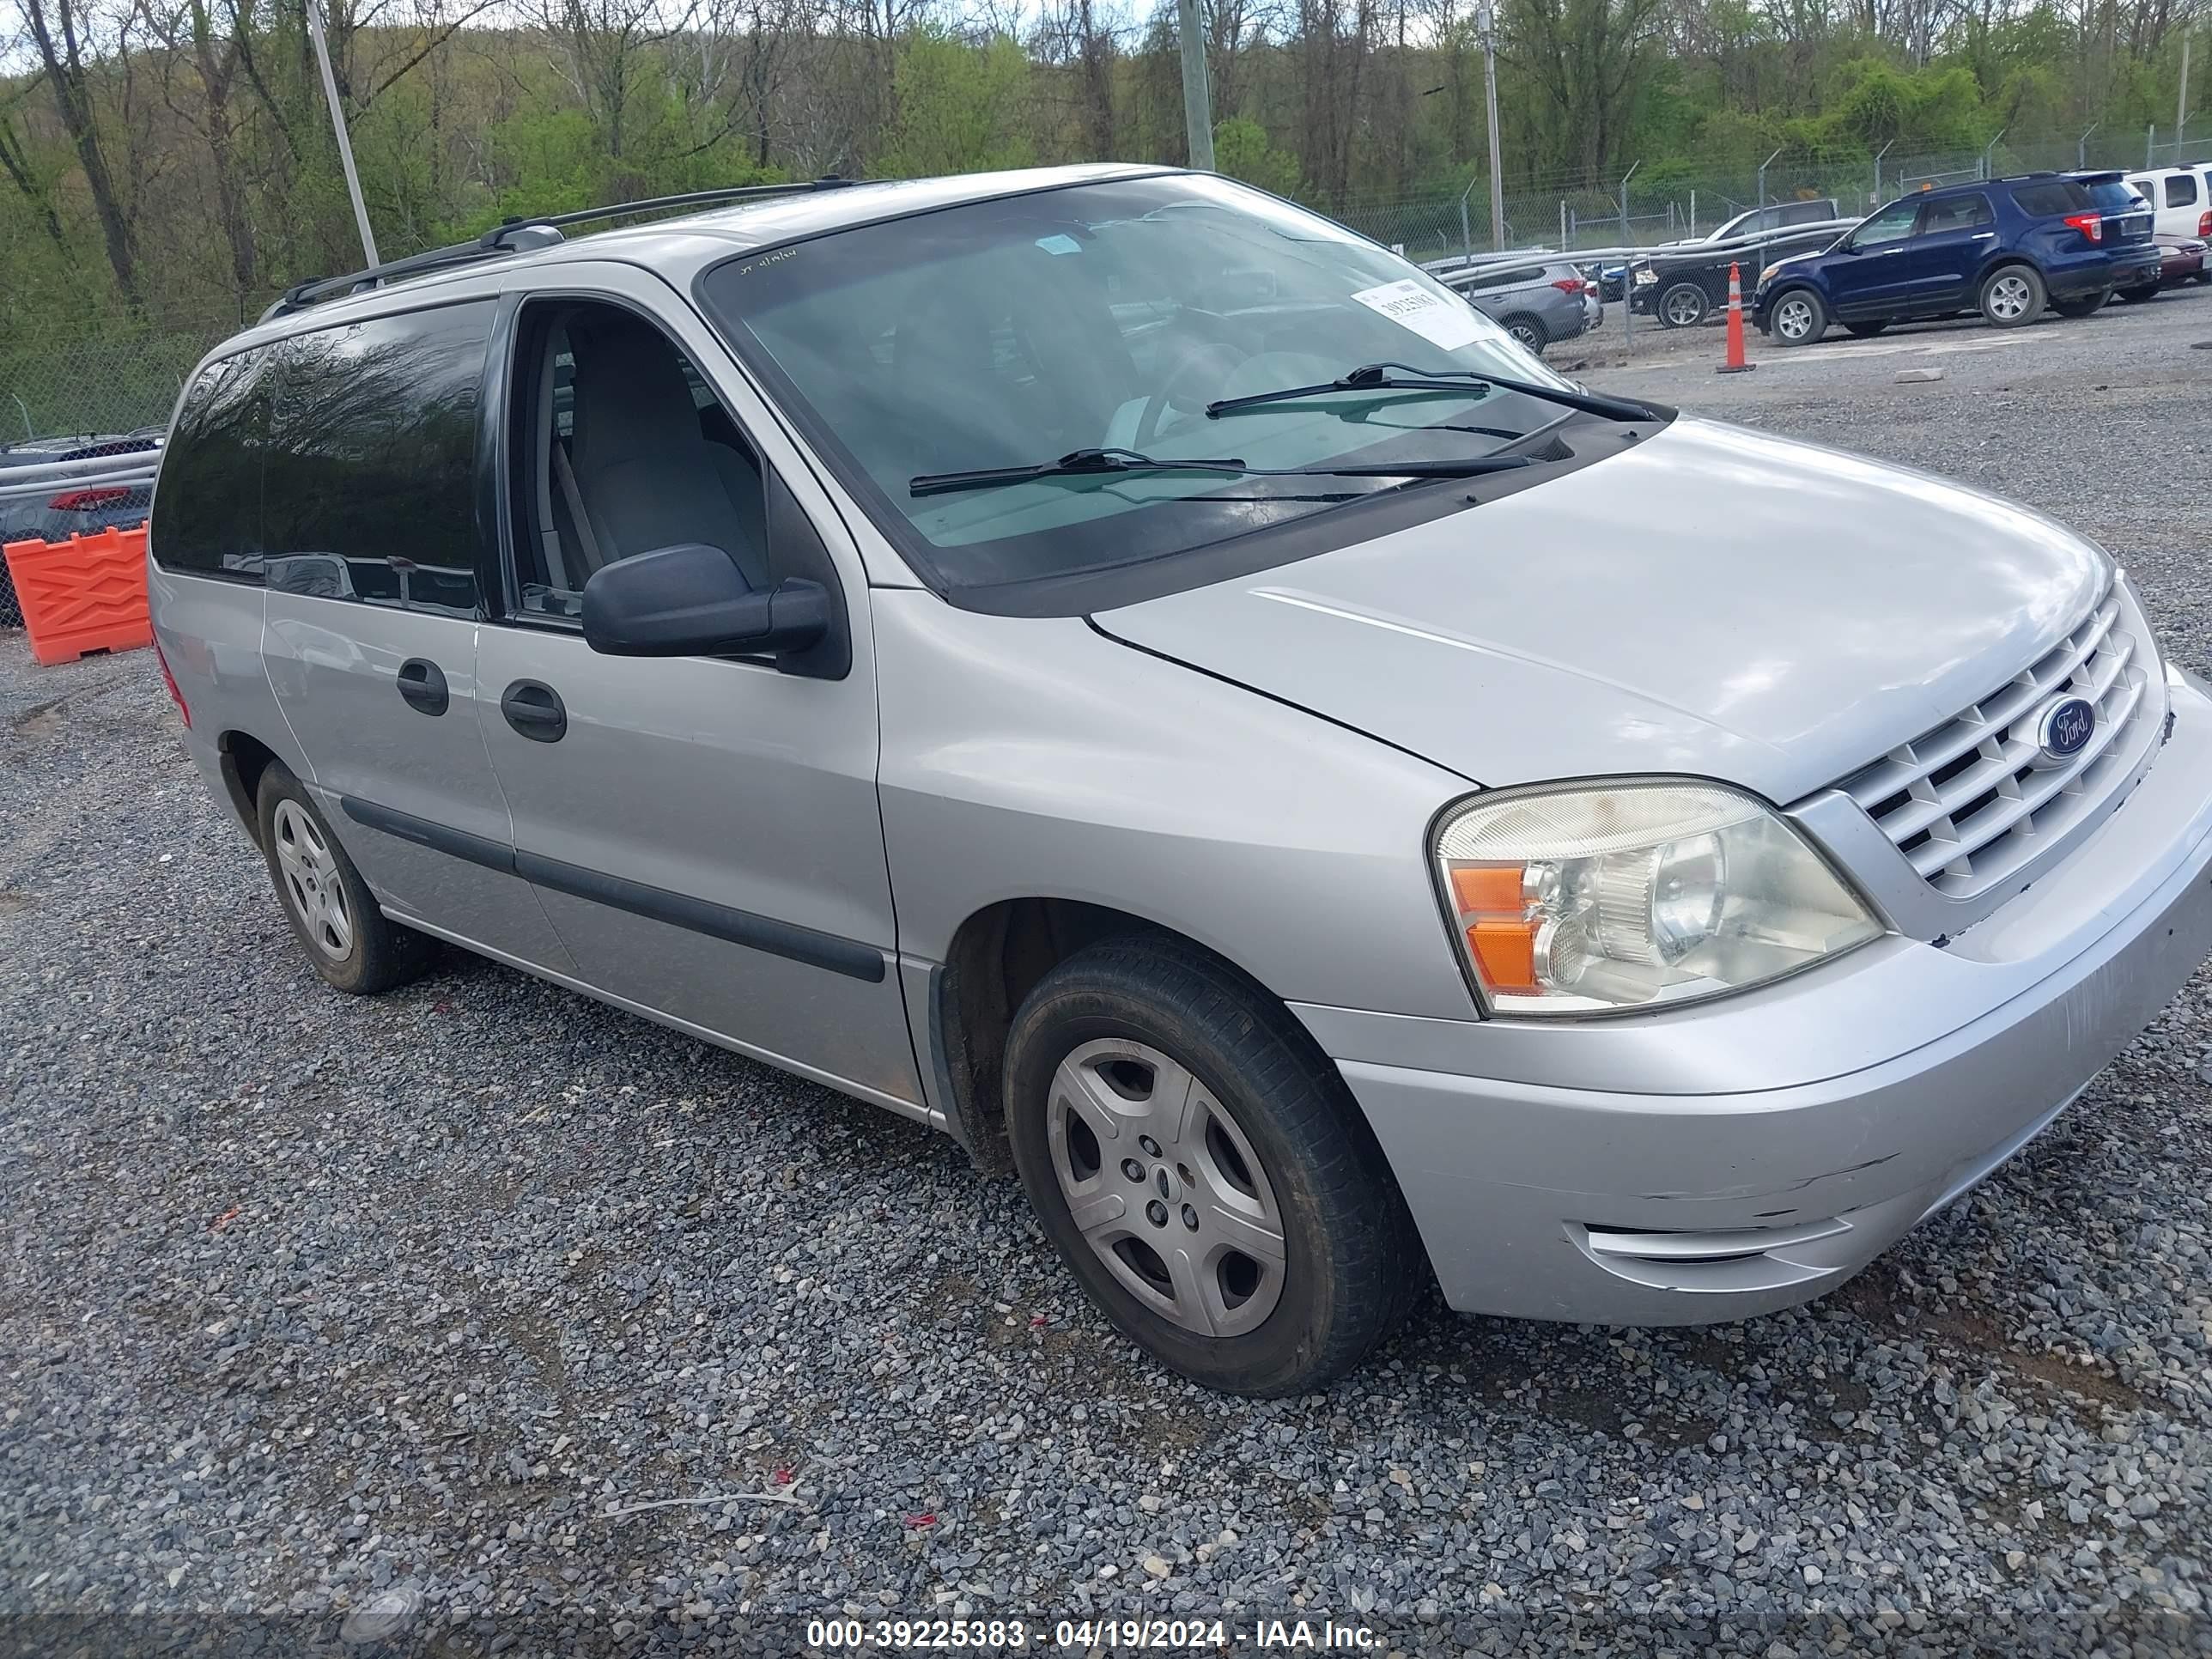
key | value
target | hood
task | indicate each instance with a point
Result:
(1792, 259)
(1710, 602)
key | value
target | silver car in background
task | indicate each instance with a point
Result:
(1540, 303)
(1113, 667)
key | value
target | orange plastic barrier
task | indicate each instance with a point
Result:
(86, 594)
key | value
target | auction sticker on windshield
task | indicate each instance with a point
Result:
(1443, 322)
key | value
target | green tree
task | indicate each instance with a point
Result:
(959, 108)
(1241, 149)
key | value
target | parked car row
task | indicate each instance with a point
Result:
(1540, 303)
(1773, 219)
(2009, 248)
(1682, 288)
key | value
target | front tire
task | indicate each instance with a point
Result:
(1203, 1170)
(2012, 296)
(349, 942)
(1798, 318)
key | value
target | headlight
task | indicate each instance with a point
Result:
(1767, 276)
(1582, 899)
(1646, 275)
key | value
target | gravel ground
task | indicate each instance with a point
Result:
(306, 1299)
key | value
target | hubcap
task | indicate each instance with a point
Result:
(2008, 296)
(1525, 334)
(1166, 1188)
(311, 881)
(1684, 308)
(1793, 318)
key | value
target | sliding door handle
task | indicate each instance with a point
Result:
(422, 683)
(535, 710)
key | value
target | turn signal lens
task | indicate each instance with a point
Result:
(1591, 899)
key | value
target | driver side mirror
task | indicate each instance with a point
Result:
(692, 600)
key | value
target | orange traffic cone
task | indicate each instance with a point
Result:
(1735, 364)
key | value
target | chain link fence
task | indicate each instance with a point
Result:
(119, 382)
(1671, 199)
(78, 419)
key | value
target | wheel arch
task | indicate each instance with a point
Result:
(243, 758)
(997, 956)
(2000, 258)
(1536, 322)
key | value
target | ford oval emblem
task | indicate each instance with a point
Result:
(2065, 728)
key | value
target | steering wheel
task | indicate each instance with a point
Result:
(1199, 368)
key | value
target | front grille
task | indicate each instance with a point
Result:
(1968, 803)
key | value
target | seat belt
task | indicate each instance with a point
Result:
(574, 498)
(548, 535)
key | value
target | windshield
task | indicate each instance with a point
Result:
(1011, 332)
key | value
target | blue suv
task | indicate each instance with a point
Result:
(2004, 246)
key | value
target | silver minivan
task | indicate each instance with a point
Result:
(1116, 667)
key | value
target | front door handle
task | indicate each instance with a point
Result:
(422, 683)
(534, 709)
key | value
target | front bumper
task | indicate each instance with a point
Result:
(1719, 1162)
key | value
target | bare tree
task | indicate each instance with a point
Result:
(191, 35)
(56, 31)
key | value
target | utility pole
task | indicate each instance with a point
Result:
(2181, 108)
(1486, 23)
(1197, 99)
(338, 126)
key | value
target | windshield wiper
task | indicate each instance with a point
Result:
(1092, 463)
(1076, 463)
(1401, 377)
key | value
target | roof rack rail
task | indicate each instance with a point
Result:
(521, 235)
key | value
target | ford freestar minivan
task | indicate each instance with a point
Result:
(1113, 665)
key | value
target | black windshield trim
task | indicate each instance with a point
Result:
(1583, 440)
(1079, 592)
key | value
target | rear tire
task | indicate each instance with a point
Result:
(1683, 305)
(2087, 305)
(1864, 330)
(1797, 317)
(1148, 1056)
(2012, 296)
(1528, 331)
(349, 942)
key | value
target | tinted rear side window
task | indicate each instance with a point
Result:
(1958, 213)
(1515, 278)
(2049, 200)
(371, 488)
(2181, 189)
(207, 521)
